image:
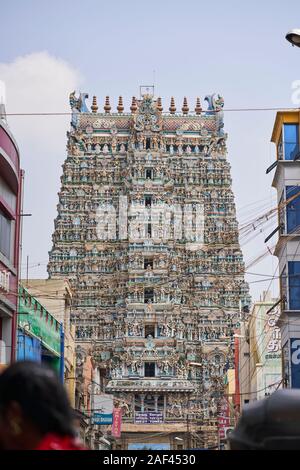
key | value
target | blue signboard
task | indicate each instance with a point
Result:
(103, 408)
(149, 446)
(295, 362)
(149, 417)
(102, 418)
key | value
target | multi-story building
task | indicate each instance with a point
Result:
(286, 181)
(147, 234)
(10, 209)
(260, 351)
(56, 296)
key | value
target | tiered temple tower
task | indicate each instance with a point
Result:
(147, 234)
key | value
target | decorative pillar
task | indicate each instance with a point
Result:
(142, 403)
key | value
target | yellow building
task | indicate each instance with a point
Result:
(56, 296)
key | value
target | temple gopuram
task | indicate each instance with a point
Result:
(147, 235)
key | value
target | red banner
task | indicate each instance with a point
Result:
(223, 418)
(117, 422)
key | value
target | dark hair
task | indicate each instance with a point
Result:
(42, 398)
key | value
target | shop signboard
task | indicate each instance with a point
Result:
(295, 362)
(102, 409)
(149, 417)
(117, 422)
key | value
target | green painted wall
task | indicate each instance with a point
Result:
(36, 320)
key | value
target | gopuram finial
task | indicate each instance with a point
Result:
(198, 108)
(120, 106)
(172, 107)
(94, 106)
(107, 106)
(159, 104)
(185, 108)
(133, 107)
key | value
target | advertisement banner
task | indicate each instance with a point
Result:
(117, 422)
(295, 362)
(103, 409)
(223, 419)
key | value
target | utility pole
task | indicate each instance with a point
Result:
(188, 425)
(27, 267)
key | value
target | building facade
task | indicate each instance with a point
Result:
(286, 181)
(40, 335)
(10, 208)
(56, 296)
(147, 234)
(260, 351)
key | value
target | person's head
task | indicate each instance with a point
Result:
(271, 423)
(33, 403)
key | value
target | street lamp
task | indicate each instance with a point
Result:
(293, 37)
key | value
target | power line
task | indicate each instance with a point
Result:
(204, 113)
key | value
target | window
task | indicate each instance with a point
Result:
(149, 403)
(160, 403)
(293, 209)
(283, 288)
(137, 403)
(281, 212)
(294, 285)
(5, 235)
(149, 330)
(148, 295)
(279, 148)
(7, 194)
(148, 143)
(148, 201)
(149, 230)
(149, 173)
(148, 262)
(149, 369)
(291, 141)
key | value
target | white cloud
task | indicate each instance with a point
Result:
(39, 82)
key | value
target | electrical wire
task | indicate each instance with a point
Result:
(204, 113)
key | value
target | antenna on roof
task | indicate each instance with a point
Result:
(2, 101)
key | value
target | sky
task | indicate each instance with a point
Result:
(192, 48)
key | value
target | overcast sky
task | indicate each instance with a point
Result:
(196, 48)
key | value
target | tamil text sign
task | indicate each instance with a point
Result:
(150, 417)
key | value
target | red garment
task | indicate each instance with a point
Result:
(56, 442)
